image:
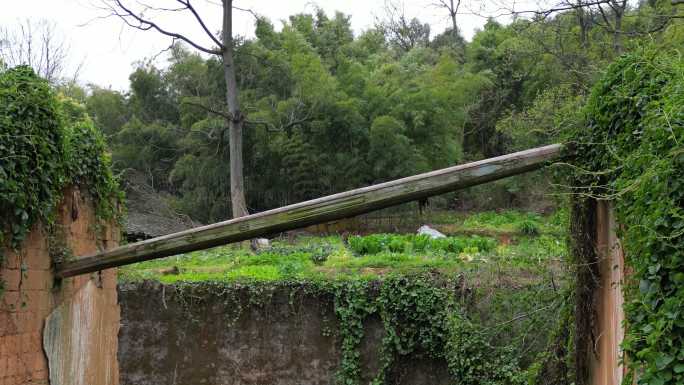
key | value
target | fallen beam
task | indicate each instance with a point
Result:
(332, 207)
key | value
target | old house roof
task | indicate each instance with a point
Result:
(150, 213)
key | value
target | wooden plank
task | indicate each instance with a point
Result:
(332, 207)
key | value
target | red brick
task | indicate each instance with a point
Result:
(11, 278)
(8, 324)
(29, 296)
(36, 238)
(37, 259)
(12, 365)
(38, 280)
(37, 300)
(12, 300)
(12, 260)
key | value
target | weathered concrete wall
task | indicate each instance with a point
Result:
(85, 306)
(170, 338)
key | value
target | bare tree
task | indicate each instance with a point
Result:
(402, 32)
(607, 14)
(221, 45)
(36, 44)
(617, 8)
(451, 7)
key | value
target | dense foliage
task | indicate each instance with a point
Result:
(376, 243)
(47, 143)
(328, 110)
(633, 154)
(487, 316)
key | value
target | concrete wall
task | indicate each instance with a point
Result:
(167, 338)
(81, 309)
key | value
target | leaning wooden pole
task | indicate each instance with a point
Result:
(337, 206)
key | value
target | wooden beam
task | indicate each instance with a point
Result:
(332, 207)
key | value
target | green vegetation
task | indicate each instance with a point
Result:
(328, 110)
(45, 146)
(372, 255)
(486, 308)
(633, 155)
(377, 243)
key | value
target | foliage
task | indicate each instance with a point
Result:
(376, 243)
(328, 110)
(632, 154)
(472, 360)
(528, 228)
(46, 144)
(33, 139)
(489, 319)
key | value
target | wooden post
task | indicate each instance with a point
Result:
(605, 366)
(337, 206)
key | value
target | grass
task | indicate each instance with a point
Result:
(369, 257)
(509, 221)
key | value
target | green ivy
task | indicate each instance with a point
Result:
(424, 316)
(44, 148)
(421, 319)
(633, 154)
(352, 306)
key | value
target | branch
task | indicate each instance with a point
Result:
(146, 25)
(546, 12)
(248, 10)
(201, 22)
(225, 115)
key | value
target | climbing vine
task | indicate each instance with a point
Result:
(633, 154)
(46, 146)
(424, 317)
(421, 319)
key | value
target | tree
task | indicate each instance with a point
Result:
(403, 33)
(452, 8)
(108, 109)
(222, 46)
(36, 44)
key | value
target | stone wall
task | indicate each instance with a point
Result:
(169, 337)
(83, 306)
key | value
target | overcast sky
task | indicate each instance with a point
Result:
(108, 49)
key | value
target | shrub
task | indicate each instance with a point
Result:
(376, 243)
(528, 227)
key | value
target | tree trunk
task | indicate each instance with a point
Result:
(583, 21)
(617, 34)
(452, 12)
(237, 180)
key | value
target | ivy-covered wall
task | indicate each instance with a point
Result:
(58, 200)
(47, 142)
(402, 329)
(632, 153)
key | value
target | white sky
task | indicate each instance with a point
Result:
(108, 49)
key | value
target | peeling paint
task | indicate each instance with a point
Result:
(80, 339)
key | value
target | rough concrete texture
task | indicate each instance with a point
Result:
(171, 338)
(31, 294)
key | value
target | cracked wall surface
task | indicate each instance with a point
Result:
(84, 315)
